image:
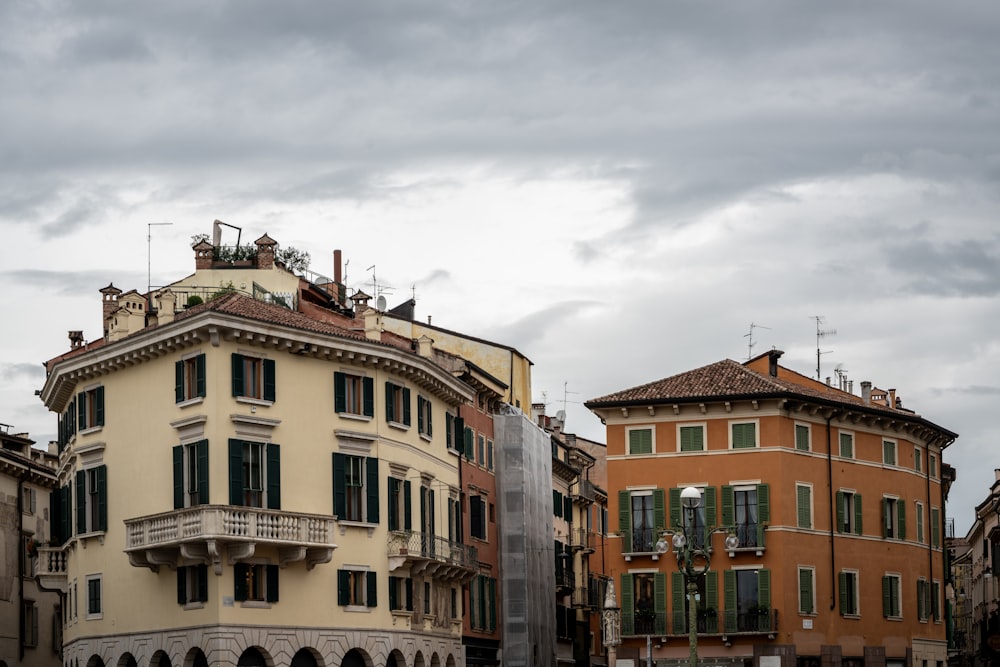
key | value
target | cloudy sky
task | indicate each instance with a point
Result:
(618, 190)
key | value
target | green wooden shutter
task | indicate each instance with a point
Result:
(237, 374)
(886, 597)
(81, 502)
(449, 430)
(393, 586)
(710, 507)
(469, 437)
(408, 589)
(55, 514)
(935, 527)
(429, 426)
(235, 472)
(201, 448)
(458, 434)
(659, 510)
(728, 506)
(343, 587)
(840, 511)
(625, 520)
(81, 408)
(371, 488)
(557, 505)
(178, 461)
(803, 496)
(857, 514)
(935, 601)
(240, 581)
(568, 508)
(885, 513)
(390, 403)
(628, 605)
(492, 586)
(99, 406)
(844, 596)
(339, 392)
(806, 591)
(269, 380)
(102, 498)
(420, 413)
(675, 508)
(433, 512)
(273, 453)
(764, 588)
(368, 391)
(711, 590)
(901, 517)
(199, 365)
(202, 571)
(393, 516)
(182, 585)
(178, 388)
(660, 601)
(339, 485)
(677, 593)
(371, 594)
(272, 583)
(729, 599)
(802, 437)
(407, 506)
(66, 509)
(406, 406)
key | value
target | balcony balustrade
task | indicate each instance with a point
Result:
(429, 554)
(50, 568)
(709, 622)
(583, 540)
(197, 535)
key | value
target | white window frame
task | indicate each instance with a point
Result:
(189, 364)
(628, 439)
(704, 438)
(918, 459)
(812, 518)
(918, 510)
(756, 433)
(99, 578)
(850, 500)
(856, 577)
(932, 466)
(893, 516)
(90, 392)
(899, 589)
(895, 452)
(795, 439)
(840, 446)
(812, 572)
(361, 607)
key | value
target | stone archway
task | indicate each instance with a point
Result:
(251, 657)
(127, 660)
(354, 658)
(160, 659)
(396, 659)
(95, 661)
(304, 658)
(196, 658)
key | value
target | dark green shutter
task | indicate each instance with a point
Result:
(885, 513)
(201, 448)
(449, 430)
(429, 409)
(728, 506)
(805, 591)
(710, 507)
(935, 527)
(764, 588)
(199, 364)
(660, 601)
(182, 585)
(568, 508)
(390, 403)
(420, 414)
(408, 589)
(901, 515)
(178, 391)
(339, 392)
(371, 594)
(99, 407)
(729, 599)
(406, 406)
(240, 581)
(273, 476)
(393, 597)
(857, 513)
(557, 506)
(81, 502)
(625, 520)
(272, 583)
(659, 510)
(407, 506)
(711, 590)
(269, 380)
(886, 597)
(371, 484)
(343, 587)
(492, 584)
(202, 583)
(368, 396)
(469, 437)
(763, 503)
(339, 485)
(844, 599)
(840, 511)
(675, 509)
(628, 606)
(677, 594)
(178, 459)
(55, 514)
(393, 514)
(235, 472)
(66, 506)
(81, 407)
(237, 374)
(458, 434)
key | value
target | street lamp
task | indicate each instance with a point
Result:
(693, 559)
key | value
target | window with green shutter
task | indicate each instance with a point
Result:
(190, 467)
(397, 404)
(802, 437)
(692, 438)
(890, 596)
(803, 505)
(92, 500)
(935, 527)
(355, 488)
(90, 408)
(889, 452)
(255, 582)
(353, 394)
(189, 378)
(918, 509)
(849, 512)
(254, 474)
(744, 435)
(807, 578)
(253, 377)
(848, 587)
(847, 445)
(640, 441)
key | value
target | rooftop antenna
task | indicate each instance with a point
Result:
(566, 393)
(819, 334)
(841, 376)
(749, 336)
(149, 251)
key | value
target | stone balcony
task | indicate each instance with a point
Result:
(208, 533)
(429, 554)
(50, 569)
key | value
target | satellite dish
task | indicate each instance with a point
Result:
(380, 303)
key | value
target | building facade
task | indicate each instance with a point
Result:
(824, 511)
(976, 570)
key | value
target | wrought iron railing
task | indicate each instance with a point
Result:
(643, 622)
(643, 541)
(426, 545)
(582, 539)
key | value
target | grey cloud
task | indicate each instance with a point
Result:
(105, 44)
(71, 283)
(969, 268)
(972, 390)
(15, 371)
(523, 333)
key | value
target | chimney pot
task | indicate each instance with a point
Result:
(772, 362)
(866, 391)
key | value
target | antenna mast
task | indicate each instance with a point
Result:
(749, 336)
(819, 334)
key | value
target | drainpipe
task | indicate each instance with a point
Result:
(20, 566)
(833, 513)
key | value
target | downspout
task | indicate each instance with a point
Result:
(20, 566)
(833, 513)
(930, 546)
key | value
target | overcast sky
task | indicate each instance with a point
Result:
(618, 190)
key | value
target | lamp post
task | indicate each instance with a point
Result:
(693, 559)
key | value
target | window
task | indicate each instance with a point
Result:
(890, 596)
(703, 517)
(190, 474)
(255, 582)
(192, 584)
(483, 603)
(932, 465)
(847, 445)
(28, 497)
(557, 503)
(747, 508)
(748, 592)
(640, 441)
(189, 378)
(427, 597)
(641, 516)
(849, 512)
(94, 604)
(489, 454)
(918, 459)
(30, 623)
(90, 408)
(468, 443)
(889, 452)
(919, 511)
(923, 599)
(427, 515)
(848, 583)
(255, 474)
(353, 395)
(454, 602)
(706, 603)
(807, 590)
(400, 593)
(400, 504)
(397, 404)
(935, 527)
(450, 431)
(802, 437)
(92, 500)
(27, 550)
(644, 608)
(253, 377)
(481, 449)
(744, 435)
(936, 600)
(691, 438)
(893, 518)
(355, 488)
(803, 505)
(454, 518)
(357, 588)
(477, 517)
(424, 425)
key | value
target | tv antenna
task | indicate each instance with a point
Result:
(841, 376)
(149, 251)
(819, 334)
(379, 294)
(749, 337)
(566, 393)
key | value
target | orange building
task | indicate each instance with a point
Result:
(834, 500)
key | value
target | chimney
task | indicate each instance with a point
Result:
(75, 339)
(996, 474)
(373, 324)
(265, 252)
(828, 382)
(772, 362)
(336, 266)
(166, 302)
(850, 386)
(892, 398)
(425, 346)
(109, 304)
(866, 391)
(204, 254)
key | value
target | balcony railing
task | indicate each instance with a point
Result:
(586, 597)
(199, 532)
(583, 539)
(431, 554)
(50, 568)
(585, 492)
(709, 622)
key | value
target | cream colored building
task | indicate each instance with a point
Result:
(244, 483)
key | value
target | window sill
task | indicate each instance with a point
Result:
(255, 604)
(425, 437)
(359, 609)
(405, 613)
(94, 617)
(399, 426)
(83, 537)
(188, 402)
(345, 524)
(193, 605)
(90, 430)
(853, 617)
(249, 400)
(354, 416)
